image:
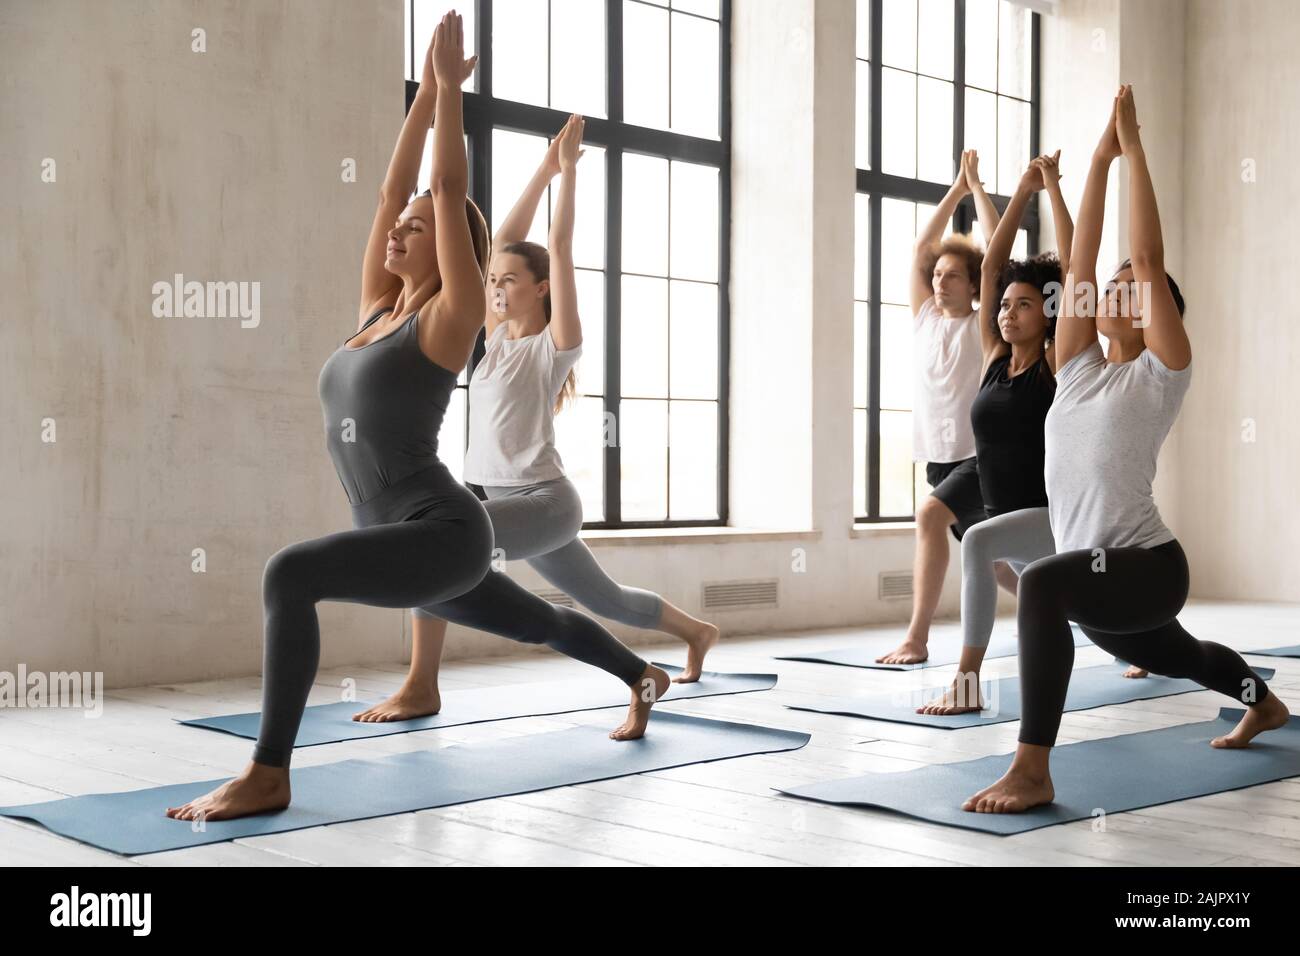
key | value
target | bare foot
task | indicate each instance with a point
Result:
(911, 651)
(696, 647)
(1135, 671)
(1269, 714)
(652, 685)
(1016, 792)
(259, 789)
(957, 699)
(409, 702)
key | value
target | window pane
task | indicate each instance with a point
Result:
(705, 8)
(579, 438)
(898, 34)
(934, 136)
(591, 311)
(898, 123)
(644, 342)
(1013, 143)
(694, 75)
(451, 437)
(861, 246)
(982, 134)
(515, 158)
(643, 446)
(645, 65)
(518, 58)
(694, 192)
(864, 29)
(862, 118)
(859, 462)
(578, 56)
(861, 352)
(982, 43)
(645, 214)
(693, 340)
(1013, 51)
(897, 237)
(693, 459)
(896, 369)
(588, 209)
(895, 464)
(934, 53)
(1020, 248)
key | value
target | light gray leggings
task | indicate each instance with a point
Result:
(1019, 538)
(539, 523)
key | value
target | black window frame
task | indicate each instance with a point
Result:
(878, 185)
(483, 113)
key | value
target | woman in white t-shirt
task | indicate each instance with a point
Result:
(1119, 572)
(533, 341)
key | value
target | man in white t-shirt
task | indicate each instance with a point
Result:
(948, 358)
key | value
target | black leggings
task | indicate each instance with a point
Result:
(424, 541)
(1128, 610)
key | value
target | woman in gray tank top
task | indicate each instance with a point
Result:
(1118, 571)
(533, 341)
(420, 538)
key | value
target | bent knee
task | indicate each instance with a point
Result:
(933, 516)
(285, 571)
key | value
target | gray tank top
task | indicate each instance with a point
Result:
(383, 403)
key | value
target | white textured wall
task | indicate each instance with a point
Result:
(1238, 520)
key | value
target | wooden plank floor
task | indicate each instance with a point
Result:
(709, 814)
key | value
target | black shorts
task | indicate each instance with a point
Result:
(957, 485)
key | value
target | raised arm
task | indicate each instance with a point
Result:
(996, 256)
(379, 286)
(1064, 225)
(985, 211)
(1076, 327)
(460, 301)
(1163, 332)
(520, 220)
(922, 284)
(566, 328)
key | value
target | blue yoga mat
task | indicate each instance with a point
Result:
(1292, 651)
(331, 723)
(134, 822)
(1089, 687)
(944, 650)
(1114, 774)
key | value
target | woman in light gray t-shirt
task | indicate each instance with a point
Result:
(534, 340)
(1118, 571)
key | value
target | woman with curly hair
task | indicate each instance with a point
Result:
(1018, 303)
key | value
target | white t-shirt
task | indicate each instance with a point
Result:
(948, 355)
(511, 400)
(1102, 437)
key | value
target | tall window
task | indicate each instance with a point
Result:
(934, 77)
(646, 441)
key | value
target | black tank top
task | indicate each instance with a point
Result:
(383, 403)
(1007, 418)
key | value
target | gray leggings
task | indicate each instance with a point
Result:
(424, 541)
(1017, 537)
(539, 524)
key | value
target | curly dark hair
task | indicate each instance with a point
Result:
(1040, 272)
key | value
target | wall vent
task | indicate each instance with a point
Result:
(895, 585)
(739, 595)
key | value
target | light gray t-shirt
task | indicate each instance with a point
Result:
(511, 409)
(1102, 436)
